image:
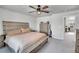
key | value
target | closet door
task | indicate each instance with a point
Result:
(44, 27)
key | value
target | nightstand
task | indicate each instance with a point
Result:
(1, 40)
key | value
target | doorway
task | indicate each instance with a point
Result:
(69, 33)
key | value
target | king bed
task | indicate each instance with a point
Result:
(21, 39)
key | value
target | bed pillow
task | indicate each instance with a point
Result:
(25, 30)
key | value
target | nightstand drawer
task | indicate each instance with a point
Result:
(1, 44)
(77, 49)
(1, 38)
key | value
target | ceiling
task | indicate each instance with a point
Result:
(52, 8)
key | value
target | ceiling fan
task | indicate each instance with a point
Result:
(39, 9)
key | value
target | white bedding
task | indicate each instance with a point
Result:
(18, 42)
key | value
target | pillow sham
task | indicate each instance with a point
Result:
(25, 30)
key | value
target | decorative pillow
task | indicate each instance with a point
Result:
(25, 30)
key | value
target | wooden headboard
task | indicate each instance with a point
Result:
(9, 26)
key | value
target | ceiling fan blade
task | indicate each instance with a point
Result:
(45, 11)
(32, 7)
(32, 11)
(45, 7)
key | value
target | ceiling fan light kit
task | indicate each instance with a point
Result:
(39, 13)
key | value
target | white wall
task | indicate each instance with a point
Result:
(57, 23)
(56, 20)
(7, 15)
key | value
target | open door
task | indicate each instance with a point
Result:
(46, 28)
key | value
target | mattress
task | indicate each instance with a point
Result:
(23, 41)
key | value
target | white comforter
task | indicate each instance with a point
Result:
(18, 42)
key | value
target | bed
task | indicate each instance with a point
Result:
(21, 39)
